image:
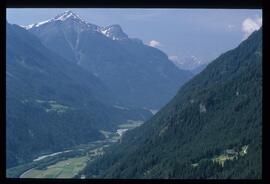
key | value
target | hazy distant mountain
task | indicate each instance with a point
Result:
(138, 75)
(211, 129)
(192, 64)
(187, 63)
(51, 102)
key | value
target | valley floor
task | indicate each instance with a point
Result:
(68, 163)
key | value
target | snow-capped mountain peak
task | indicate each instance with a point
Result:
(68, 15)
(188, 63)
(114, 32)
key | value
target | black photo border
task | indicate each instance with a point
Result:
(200, 4)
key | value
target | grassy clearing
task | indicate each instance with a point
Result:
(131, 124)
(222, 158)
(106, 133)
(195, 164)
(63, 169)
(15, 172)
(54, 106)
(57, 108)
(40, 101)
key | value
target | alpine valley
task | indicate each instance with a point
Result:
(211, 129)
(85, 101)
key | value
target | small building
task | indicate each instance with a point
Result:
(231, 152)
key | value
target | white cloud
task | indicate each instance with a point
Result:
(250, 25)
(173, 58)
(155, 43)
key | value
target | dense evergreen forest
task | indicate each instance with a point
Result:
(212, 128)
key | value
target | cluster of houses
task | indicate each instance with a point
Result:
(236, 151)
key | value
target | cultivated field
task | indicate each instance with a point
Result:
(63, 169)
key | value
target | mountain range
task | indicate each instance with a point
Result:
(138, 75)
(192, 64)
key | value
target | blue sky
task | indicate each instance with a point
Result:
(203, 33)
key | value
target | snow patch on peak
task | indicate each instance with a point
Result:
(36, 24)
(187, 63)
(196, 60)
(114, 32)
(68, 14)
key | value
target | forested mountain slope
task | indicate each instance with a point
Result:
(212, 128)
